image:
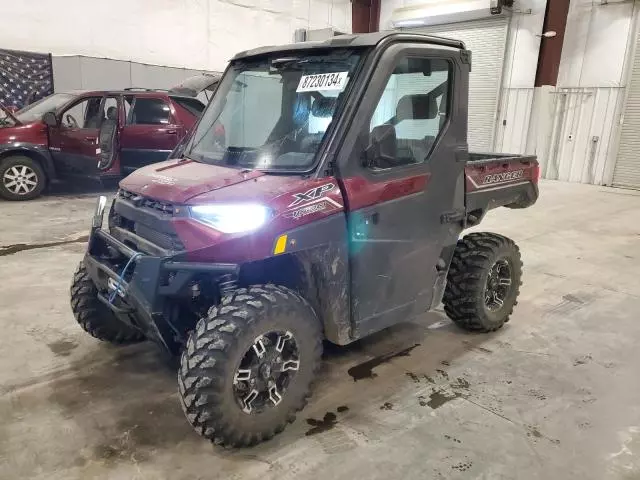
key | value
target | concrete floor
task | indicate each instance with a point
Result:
(553, 395)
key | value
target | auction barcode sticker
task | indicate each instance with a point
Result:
(323, 81)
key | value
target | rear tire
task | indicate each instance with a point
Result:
(94, 317)
(213, 392)
(21, 178)
(483, 282)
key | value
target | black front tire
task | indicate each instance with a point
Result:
(31, 182)
(94, 317)
(216, 348)
(464, 297)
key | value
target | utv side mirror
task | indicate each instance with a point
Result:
(49, 119)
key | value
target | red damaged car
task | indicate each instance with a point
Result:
(95, 134)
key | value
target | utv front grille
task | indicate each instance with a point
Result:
(145, 202)
(147, 218)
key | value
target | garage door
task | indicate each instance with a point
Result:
(487, 40)
(627, 170)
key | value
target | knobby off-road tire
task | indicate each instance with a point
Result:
(467, 281)
(218, 345)
(93, 316)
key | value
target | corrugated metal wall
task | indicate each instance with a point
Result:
(487, 39)
(513, 120)
(584, 130)
(627, 168)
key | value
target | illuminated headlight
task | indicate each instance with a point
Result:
(242, 217)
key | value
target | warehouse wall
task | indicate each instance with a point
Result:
(584, 111)
(196, 34)
(513, 119)
(572, 127)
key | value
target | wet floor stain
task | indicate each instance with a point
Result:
(584, 359)
(343, 409)
(537, 394)
(413, 377)
(470, 346)
(365, 369)
(534, 432)
(438, 398)
(572, 298)
(462, 466)
(21, 247)
(319, 426)
(62, 348)
(386, 406)
(461, 383)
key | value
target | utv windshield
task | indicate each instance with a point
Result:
(273, 113)
(36, 110)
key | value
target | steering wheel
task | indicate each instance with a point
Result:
(71, 122)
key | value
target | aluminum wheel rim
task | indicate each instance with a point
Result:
(498, 285)
(266, 371)
(20, 179)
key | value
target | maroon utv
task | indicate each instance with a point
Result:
(97, 134)
(332, 209)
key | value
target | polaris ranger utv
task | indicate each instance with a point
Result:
(332, 209)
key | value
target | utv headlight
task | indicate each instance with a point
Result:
(227, 218)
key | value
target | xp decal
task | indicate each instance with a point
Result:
(311, 195)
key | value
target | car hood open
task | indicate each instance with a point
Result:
(11, 115)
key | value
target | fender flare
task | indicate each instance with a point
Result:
(37, 152)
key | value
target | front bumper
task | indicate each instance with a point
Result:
(143, 296)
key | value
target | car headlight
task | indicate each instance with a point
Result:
(227, 218)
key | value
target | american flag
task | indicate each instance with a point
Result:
(24, 77)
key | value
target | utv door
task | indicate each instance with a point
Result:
(403, 178)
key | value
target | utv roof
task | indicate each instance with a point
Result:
(357, 40)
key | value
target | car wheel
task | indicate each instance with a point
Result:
(21, 178)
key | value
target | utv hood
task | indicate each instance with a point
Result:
(176, 181)
(192, 86)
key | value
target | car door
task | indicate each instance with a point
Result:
(150, 132)
(403, 183)
(73, 141)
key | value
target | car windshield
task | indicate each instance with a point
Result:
(273, 113)
(48, 104)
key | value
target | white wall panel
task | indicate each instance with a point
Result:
(595, 44)
(513, 120)
(87, 73)
(583, 135)
(198, 34)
